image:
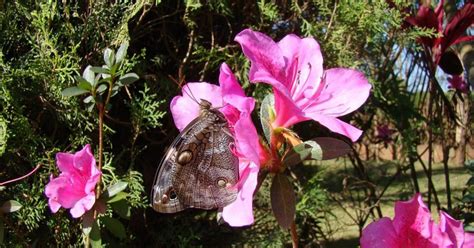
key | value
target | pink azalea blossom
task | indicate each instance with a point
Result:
(457, 82)
(74, 187)
(302, 89)
(413, 226)
(384, 133)
(236, 107)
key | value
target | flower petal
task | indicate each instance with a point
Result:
(230, 87)
(287, 113)
(268, 64)
(438, 239)
(337, 126)
(83, 205)
(345, 91)
(92, 182)
(51, 191)
(65, 161)
(185, 108)
(453, 228)
(247, 138)
(468, 240)
(53, 205)
(412, 218)
(305, 65)
(84, 161)
(240, 213)
(379, 234)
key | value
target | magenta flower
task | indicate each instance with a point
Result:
(384, 133)
(302, 89)
(74, 187)
(458, 83)
(413, 226)
(236, 107)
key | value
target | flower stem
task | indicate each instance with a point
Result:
(294, 235)
(101, 108)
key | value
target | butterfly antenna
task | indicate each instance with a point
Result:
(190, 94)
(182, 87)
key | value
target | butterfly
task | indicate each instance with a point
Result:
(199, 169)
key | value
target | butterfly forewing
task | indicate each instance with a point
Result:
(199, 169)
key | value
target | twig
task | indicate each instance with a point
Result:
(22, 177)
(330, 20)
(181, 76)
(211, 51)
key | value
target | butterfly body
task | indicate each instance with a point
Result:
(199, 169)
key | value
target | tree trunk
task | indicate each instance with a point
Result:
(466, 53)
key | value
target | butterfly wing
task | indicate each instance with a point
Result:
(207, 181)
(164, 198)
(199, 169)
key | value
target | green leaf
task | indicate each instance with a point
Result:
(10, 206)
(332, 148)
(101, 88)
(119, 196)
(114, 189)
(283, 200)
(73, 91)
(470, 165)
(128, 78)
(121, 53)
(109, 57)
(91, 107)
(267, 111)
(114, 226)
(88, 99)
(84, 85)
(89, 75)
(122, 209)
(82, 81)
(469, 198)
(97, 69)
(114, 68)
(87, 222)
(308, 150)
(470, 181)
(95, 239)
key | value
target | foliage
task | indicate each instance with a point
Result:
(47, 45)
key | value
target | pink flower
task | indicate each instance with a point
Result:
(458, 83)
(384, 133)
(74, 187)
(303, 90)
(236, 107)
(413, 226)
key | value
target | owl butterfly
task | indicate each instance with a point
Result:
(199, 170)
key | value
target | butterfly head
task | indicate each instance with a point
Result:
(205, 104)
